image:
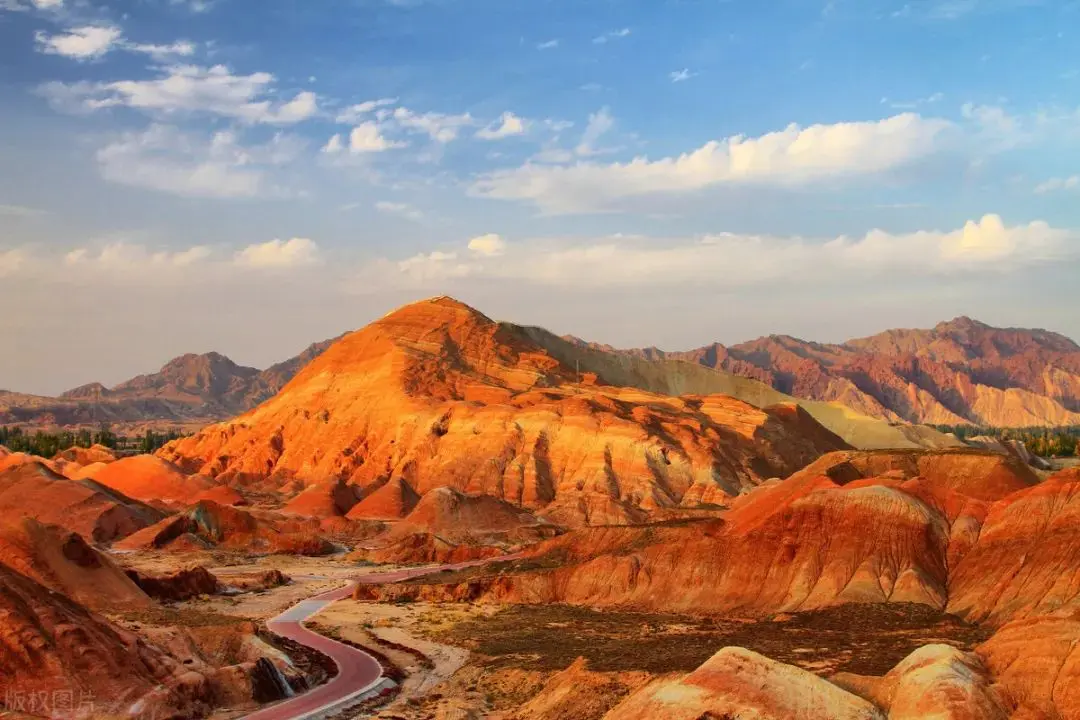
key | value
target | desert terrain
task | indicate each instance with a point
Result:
(509, 524)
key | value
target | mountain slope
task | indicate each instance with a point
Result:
(959, 372)
(188, 389)
(436, 394)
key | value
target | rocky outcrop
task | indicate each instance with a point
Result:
(209, 525)
(577, 692)
(53, 645)
(333, 498)
(853, 527)
(1024, 563)
(180, 586)
(437, 395)
(738, 683)
(151, 479)
(1036, 665)
(96, 512)
(63, 561)
(935, 681)
(87, 456)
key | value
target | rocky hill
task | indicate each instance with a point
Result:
(436, 394)
(959, 372)
(190, 389)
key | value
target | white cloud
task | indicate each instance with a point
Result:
(440, 127)
(368, 138)
(791, 157)
(1057, 184)
(188, 89)
(278, 254)
(611, 35)
(395, 208)
(728, 261)
(333, 145)
(125, 258)
(506, 126)
(181, 48)
(91, 42)
(357, 113)
(599, 124)
(165, 159)
(548, 45)
(82, 43)
(436, 266)
(678, 76)
(488, 245)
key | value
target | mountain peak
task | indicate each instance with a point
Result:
(961, 323)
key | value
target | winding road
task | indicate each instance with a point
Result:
(358, 672)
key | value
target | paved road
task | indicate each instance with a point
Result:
(358, 672)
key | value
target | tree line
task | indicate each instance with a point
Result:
(48, 444)
(1042, 441)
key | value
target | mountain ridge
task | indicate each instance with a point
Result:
(961, 371)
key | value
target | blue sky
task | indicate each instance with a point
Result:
(248, 177)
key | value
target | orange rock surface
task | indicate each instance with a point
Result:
(1025, 561)
(98, 513)
(1036, 665)
(148, 478)
(208, 525)
(738, 683)
(391, 501)
(87, 456)
(222, 495)
(326, 499)
(436, 394)
(52, 644)
(62, 561)
(807, 542)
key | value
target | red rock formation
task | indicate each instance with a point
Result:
(436, 394)
(62, 561)
(327, 499)
(182, 585)
(148, 478)
(392, 501)
(738, 683)
(87, 456)
(222, 495)
(53, 645)
(1036, 665)
(96, 512)
(959, 372)
(1024, 563)
(209, 525)
(808, 542)
(935, 681)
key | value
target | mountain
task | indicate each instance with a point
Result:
(190, 389)
(436, 394)
(959, 372)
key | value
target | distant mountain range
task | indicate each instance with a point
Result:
(959, 372)
(191, 389)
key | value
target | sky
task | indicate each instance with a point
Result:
(251, 176)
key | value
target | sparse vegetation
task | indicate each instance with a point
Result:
(1042, 441)
(46, 445)
(865, 639)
